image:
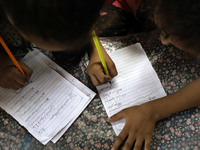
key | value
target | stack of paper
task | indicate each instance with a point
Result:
(50, 103)
(136, 83)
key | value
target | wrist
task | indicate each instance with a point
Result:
(155, 114)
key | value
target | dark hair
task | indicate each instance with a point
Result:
(180, 18)
(66, 21)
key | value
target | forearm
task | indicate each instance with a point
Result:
(186, 97)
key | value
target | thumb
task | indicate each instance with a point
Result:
(116, 117)
(112, 69)
(28, 71)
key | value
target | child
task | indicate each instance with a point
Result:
(179, 24)
(125, 16)
(59, 26)
(56, 26)
(118, 18)
(113, 20)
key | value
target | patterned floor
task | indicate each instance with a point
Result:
(181, 131)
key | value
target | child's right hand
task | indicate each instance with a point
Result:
(95, 68)
(96, 72)
(11, 78)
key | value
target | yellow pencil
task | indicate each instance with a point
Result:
(100, 52)
(11, 56)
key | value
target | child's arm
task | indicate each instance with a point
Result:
(95, 69)
(10, 77)
(140, 120)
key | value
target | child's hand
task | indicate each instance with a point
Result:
(139, 127)
(96, 72)
(95, 69)
(11, 77)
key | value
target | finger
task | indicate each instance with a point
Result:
(102, 78)
(107, 78)
(112, 69)
(14, 86)
(15, 77)
(20, 79)
(147, 143)
(138, 144)
(10, 78)
(100, 75)
(116, 117)
(94, 80)
(120, 139)
(28, 71)
(17, 87)
(129, 142)
(7, 85)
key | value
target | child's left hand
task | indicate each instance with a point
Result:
(139, 127)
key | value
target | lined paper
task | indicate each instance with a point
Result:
(136, 83)
(41, 57)
(49, 104)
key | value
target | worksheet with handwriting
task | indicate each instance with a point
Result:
(136, 83)
(49, 103)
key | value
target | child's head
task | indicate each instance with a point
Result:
(53, 24)
(179, 22)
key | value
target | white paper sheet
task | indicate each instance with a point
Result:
(49, 103)
(40, 56)
(136, 83)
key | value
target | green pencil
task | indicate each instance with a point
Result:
(100, 53)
